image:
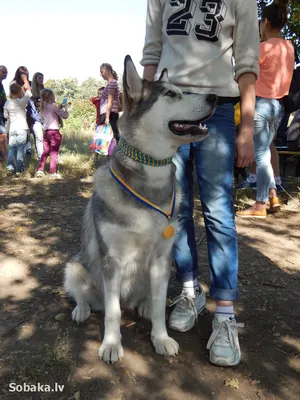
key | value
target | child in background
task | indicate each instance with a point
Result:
(15, 112)
(96, 102)
(51, 115)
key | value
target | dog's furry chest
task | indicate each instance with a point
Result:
(141, 240)
(138, 248)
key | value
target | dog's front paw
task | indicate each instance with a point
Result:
(110, 352)
(80, 314)
(144, 309)
(165, 346)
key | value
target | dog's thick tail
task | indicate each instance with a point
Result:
(79, 285)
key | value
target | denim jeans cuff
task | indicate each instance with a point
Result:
(187, 276)
(263, 199)
(224, 294)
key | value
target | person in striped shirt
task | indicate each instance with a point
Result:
(110, 99)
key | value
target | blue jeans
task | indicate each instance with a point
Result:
(214, 164)
(268, 115)
(17, 143)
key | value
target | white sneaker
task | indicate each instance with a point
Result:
(223, 344)
(39, 174)
(55, 176)
(186, 311)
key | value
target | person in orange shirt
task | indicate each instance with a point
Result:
(276, 61)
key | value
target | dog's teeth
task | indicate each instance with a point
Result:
(202, 126)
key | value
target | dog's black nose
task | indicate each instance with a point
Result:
(212, 99)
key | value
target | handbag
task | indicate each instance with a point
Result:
(102, 139)
(112, 146)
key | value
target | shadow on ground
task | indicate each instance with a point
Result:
(40, 230)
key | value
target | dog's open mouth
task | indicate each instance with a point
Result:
(182, 128)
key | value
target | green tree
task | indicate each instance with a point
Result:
(70, 88)
(89, 88)
(67, 87)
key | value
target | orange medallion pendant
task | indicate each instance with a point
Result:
(168, 232)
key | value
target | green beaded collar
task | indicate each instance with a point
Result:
(140, 157)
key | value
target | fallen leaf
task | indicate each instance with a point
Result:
(130, 374)
(19, 229)
(169, 302)
(76, 396)
(232, 383)
(61, 317)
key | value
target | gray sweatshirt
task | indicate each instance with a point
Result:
(206, 45)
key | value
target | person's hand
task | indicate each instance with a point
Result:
(106, 121)
(26, 86)
(244, 147)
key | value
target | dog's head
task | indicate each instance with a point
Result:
(158, 115)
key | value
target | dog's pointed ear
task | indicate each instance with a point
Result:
(132, 84)
(164, 76)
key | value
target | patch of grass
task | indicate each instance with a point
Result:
(41, 367)
(75, 157)
(60, 352)
(243, 198)
(76, 141)
(74, 165)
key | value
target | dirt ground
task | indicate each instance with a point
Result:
(40, 229)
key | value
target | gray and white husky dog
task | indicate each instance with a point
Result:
(124, 257)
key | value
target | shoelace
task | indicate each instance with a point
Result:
(190, 300)
(227, 326)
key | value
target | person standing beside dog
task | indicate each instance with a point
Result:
(51, 114)
(276, 62)
(3, 135)
(110, 99)
(196, 42)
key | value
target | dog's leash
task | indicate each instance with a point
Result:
(169, 231)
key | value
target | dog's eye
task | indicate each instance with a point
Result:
(170, 93)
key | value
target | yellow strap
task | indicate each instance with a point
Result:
(143, 198)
